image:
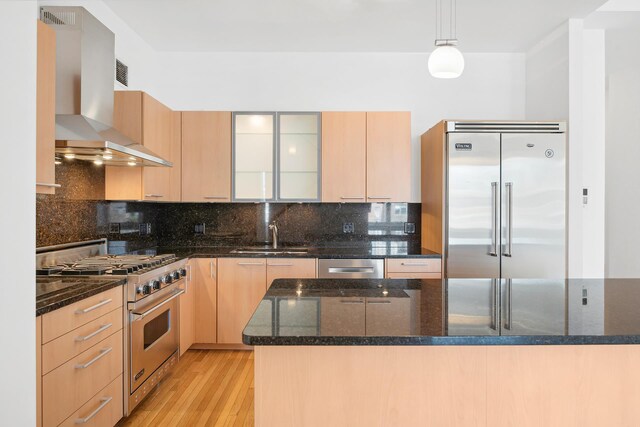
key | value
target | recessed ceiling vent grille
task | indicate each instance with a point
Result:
(507, 127)
(60, 17)
(122, 73)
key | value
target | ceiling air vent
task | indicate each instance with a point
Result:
(122, 73)
(60, 17)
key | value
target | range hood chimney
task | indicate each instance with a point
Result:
(85, 72)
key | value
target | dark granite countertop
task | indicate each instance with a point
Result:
(447, 312)
(384, 250)
(56, 292)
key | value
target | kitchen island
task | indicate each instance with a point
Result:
(451, 352)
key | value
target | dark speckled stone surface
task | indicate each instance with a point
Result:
(53, 293)
(447, 312)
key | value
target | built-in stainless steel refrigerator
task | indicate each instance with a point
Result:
(494, 204)
(505, 200)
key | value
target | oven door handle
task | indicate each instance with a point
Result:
(144, 314)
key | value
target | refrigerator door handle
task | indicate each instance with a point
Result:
(495, 219)
(509, 219)
(494, 304)
(507, 315)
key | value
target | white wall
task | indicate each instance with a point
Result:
(623, 151)
(492, 86)
(17, 173)
(565, 81)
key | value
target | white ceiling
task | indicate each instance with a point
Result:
(341, 25)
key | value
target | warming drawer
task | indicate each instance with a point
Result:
(350, 268)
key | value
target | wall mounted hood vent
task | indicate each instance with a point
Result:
(85, 72)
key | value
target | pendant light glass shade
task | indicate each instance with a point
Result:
(446, 62)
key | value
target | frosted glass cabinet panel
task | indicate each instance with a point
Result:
(276, 156)
(299, 148)
(253, 156)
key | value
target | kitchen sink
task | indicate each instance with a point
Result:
(270, 251)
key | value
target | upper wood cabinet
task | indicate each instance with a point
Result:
(366, 157)
(150, 123)
(344, 147)
(206, 156)
(46, 110)
(388, 156)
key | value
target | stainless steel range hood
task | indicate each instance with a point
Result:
(85, 73)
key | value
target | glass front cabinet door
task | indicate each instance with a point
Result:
(276, 156)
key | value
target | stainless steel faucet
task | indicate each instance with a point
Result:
(274, 233)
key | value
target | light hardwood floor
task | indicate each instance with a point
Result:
(207, 388)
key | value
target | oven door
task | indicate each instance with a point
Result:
(154, 335)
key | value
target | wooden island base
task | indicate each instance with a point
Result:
(537, 385)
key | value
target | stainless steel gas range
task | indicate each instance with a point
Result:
(154, 283)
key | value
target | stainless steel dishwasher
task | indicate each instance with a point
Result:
(350, 269)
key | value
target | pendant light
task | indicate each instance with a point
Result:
(446, 61)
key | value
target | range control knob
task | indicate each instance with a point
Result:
(168, 278)
(155, 284)
(176, 275)
(139, 289)
(183, 272)
(146, 290)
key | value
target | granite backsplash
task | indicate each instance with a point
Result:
(78, 212)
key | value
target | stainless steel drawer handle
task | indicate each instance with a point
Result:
(103, 353)
(351, 198)
(215, 197)
(379, 198)
(93, 307)
(94, 333)
(351, 270)
(424, 264)
(46, 184)
(105, 401)
(144, 314)
(251, 263)
(280, 265)
(153, 195)
(379, 302)
(351, 302)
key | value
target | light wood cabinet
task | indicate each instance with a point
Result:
(206, 156)
(344, 142)
(388, 156)
(205, 285)
(290, 268)
(187, 311)
(150, 123)
(413, 268)
(242, 282)
(108, 404)
(46, 110)
(39, 371)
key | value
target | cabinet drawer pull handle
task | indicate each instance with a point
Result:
(93, 307)
(351, 302)
(105, 401)
(46, 184)
(215, 197)
(94, 333)
(352, 198)
(250, 263)
(379, 198)
(424, 264)
(153, 195)
(280, 265)
(103, 353)
(379, 302)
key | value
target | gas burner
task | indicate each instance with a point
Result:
(86, 270)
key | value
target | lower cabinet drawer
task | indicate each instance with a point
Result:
(414, 265)
(68, 387)
(102, 410)
(58, 351)
(414, 275)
